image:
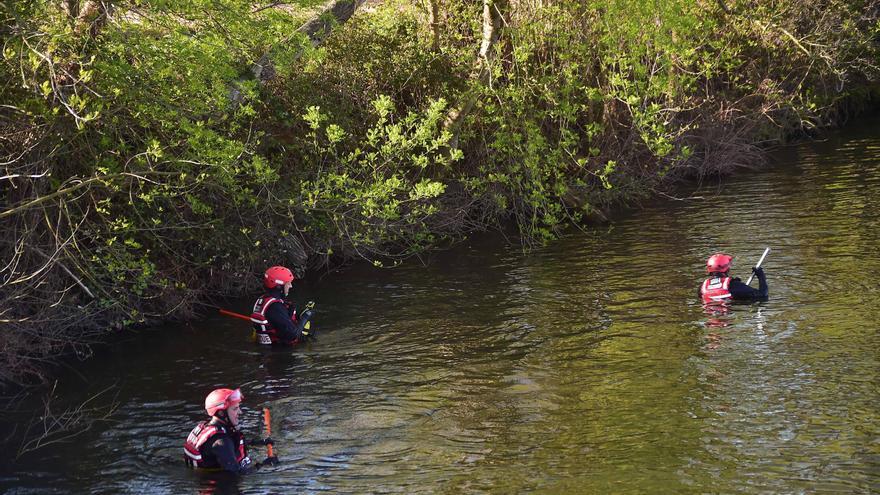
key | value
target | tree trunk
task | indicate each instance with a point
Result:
(91, 16)
(494, 13)
(434, 23)
(71, 8)
(333, 13)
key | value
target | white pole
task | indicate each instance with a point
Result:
(767, 250)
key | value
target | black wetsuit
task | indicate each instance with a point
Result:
(279, 317)
(223, 450)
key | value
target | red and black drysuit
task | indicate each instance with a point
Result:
(214, 445)
(719, 288)
(275, 320)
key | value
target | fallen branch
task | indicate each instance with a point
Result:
(51, 428)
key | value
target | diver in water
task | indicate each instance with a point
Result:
(217, 444)
(720, 287)
(279, 323)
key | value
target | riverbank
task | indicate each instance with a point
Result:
(138, 190)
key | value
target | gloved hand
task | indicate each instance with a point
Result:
(305, 316)
(758, 271)
(269, 461)
(245, 464)
(309, 305)
(267, 441)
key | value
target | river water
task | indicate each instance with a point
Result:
(588, 366)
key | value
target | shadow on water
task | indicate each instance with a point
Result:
(588, 366)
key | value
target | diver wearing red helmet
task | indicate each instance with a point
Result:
(217, 443)
(721, 287)
(279, 323)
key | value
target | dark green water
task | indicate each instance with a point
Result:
(585, 367)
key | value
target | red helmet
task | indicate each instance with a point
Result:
(221, 400)
(277, 275)
(718, 262)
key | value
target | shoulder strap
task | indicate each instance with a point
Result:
(207, 433)
(259, 315)
(268, 302)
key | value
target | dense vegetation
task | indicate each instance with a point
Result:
(146, 168)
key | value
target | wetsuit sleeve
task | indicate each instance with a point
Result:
(280, 319)
(224, 450)
(741, 291)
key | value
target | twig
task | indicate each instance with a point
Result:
(67, 425)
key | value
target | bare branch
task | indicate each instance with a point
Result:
(53, 428)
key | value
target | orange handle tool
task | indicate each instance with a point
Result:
(267, 419)
(235, 315)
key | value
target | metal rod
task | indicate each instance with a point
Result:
(767, 250)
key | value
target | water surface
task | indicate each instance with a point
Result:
(588, 366)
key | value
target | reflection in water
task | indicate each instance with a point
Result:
(717, 317)
(218, 484)
(717, 314)
(586, 367)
